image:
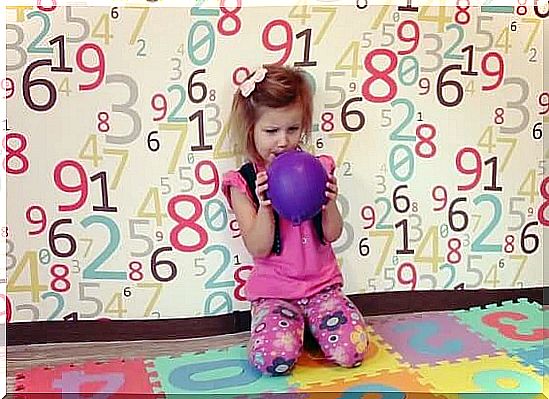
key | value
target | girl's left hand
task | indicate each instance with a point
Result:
(331, 190)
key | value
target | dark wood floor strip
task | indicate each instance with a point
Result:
(371, 304)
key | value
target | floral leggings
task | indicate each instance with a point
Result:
(278, 327)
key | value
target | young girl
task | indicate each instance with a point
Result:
(296, 280)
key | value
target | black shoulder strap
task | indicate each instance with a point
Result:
(248, 172)
(317, 222)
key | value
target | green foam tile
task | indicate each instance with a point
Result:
(226, 372)
(510, 326)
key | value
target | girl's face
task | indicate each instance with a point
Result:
(277, 130)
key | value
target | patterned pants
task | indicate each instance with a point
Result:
(278, 326)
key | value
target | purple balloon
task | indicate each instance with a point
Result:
(297, 185)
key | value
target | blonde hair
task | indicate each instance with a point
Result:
(281, 87)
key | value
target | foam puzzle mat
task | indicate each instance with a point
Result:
(493, 352)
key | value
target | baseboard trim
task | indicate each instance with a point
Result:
(371, 304)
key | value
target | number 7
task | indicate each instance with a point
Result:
(154, 299)
(182, 129)
(139, 24)
(341, 155)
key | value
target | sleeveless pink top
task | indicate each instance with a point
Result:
(304, 266)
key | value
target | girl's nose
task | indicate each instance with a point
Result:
(283, 140)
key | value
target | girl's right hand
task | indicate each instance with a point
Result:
(261, 186)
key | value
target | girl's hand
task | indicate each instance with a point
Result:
(261, 186)
(331, 190)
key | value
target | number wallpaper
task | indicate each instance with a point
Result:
(115, 145)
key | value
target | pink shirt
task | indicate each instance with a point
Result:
(304, 266)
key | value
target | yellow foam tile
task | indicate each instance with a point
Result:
(396, 382)
(310, 371)
(490, 374)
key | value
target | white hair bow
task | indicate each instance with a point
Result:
(248, 85)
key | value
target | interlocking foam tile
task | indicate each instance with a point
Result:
(114, 377)
(394, 384)
(396, 343)
(316, 372)
(222, 371)
(429, 338)
(535, 357)
(497, 376)
(510, 326)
